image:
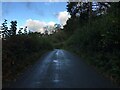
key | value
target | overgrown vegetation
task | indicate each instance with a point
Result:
(23, 49)
(98, 42)
(20, 51)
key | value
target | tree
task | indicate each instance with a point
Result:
(57, 27)
(86, 10)
(13, 27)
(4, 29)
(46, 30)
(20, 31)
(82, 12)
(25, 30)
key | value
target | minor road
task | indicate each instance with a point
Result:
(61, 69)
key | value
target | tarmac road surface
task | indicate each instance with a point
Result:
(61, 69)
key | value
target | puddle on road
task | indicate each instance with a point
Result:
(55, 61)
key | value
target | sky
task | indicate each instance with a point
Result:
(35, 15)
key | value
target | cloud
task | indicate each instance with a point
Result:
(63, 17)
(37, 26)
(51, 24)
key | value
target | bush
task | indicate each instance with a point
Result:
(20, 51)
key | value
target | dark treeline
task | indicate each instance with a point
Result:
(94, 36)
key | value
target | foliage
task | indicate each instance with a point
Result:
(13, 27)
(20, 51)
(98, 41)
(86, 10)
(25, 30)
(20, 31)
(6, 33)
(4, 29)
